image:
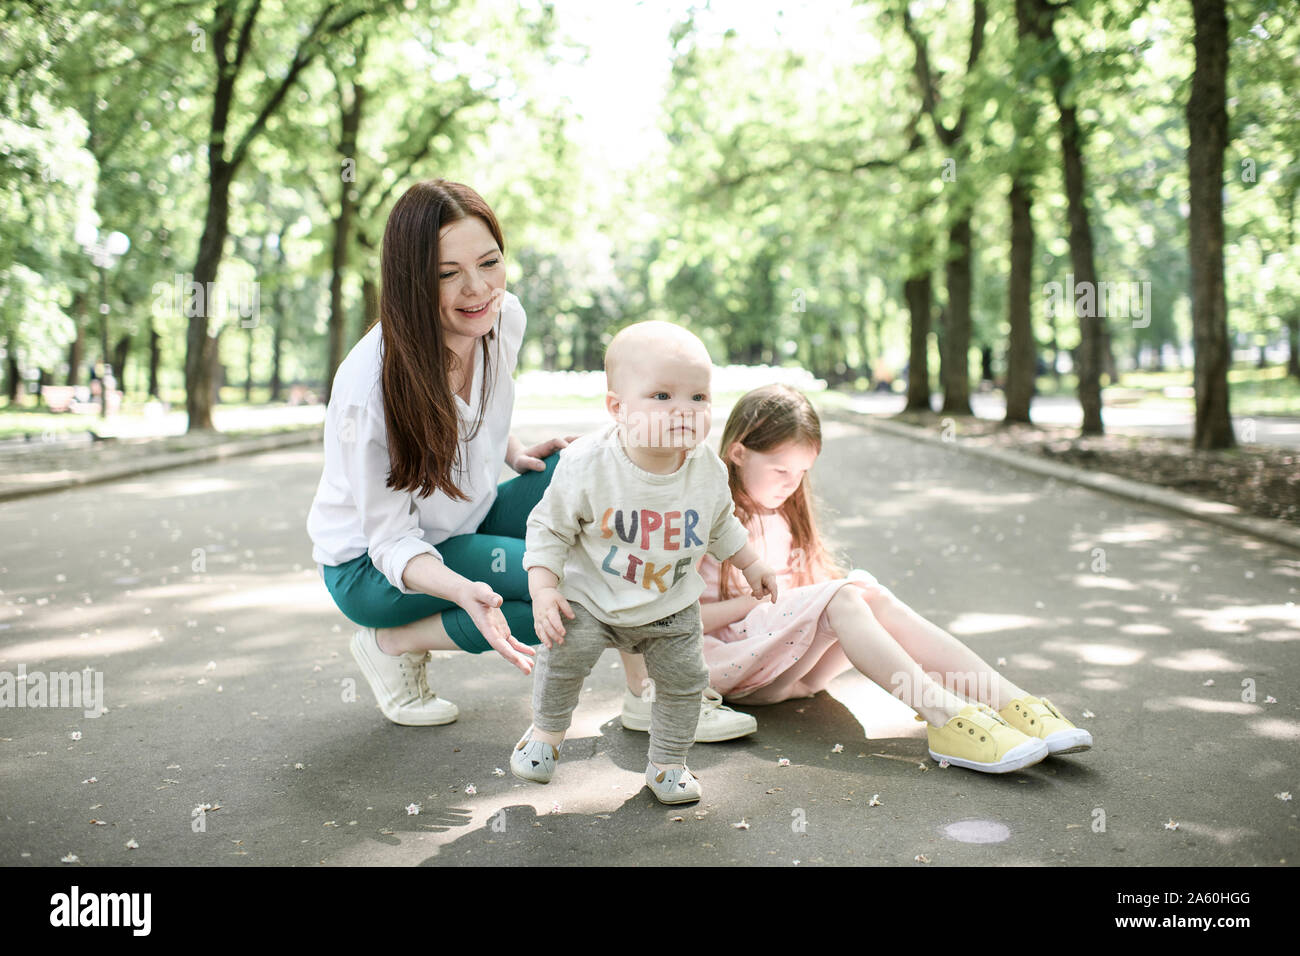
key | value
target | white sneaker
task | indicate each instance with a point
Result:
(717, 722)
(400, 683)
(678, 785)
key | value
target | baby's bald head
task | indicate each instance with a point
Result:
(659, 386)
(634, 346)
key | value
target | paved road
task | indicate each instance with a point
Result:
(1163, 422)
(225, 673)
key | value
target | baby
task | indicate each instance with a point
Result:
(615, 544)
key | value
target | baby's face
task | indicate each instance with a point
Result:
(665, 400)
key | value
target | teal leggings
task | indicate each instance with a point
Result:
(493, 553)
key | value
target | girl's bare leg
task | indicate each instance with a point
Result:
(823, 653)
(963, 671)
(427, 634)
(875, 653)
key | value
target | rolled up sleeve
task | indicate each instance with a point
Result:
(388, 517)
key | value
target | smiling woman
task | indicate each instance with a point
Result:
(409, 523)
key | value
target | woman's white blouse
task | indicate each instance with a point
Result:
(354, 512)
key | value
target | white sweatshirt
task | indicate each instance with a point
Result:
(626, 543)
(354, 512)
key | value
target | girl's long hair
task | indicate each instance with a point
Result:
(424, 443)
(764, 420)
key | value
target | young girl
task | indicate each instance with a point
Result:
(824, 622)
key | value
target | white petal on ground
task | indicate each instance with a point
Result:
(412, 809)
(742, 825)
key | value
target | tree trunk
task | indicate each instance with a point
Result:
(353, 100)
(281, 310)
(956, 376)
(370, 303)
(1022, 350)
(12, 373)
(155, 356)
(1085, 274)
(1293, 345)
(276, 346)
(954, 339)
(1089, 365)
(200, 347)
(248, 369)
(1022, 354)
(916, 291)
(77, 350)
(121, 351)
(864, 348)
(838, 371)
(1207, 127)
(1108, 365)
(1292, 322)
(216, 371)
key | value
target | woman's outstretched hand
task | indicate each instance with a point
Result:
(530, 459)
(483, 605)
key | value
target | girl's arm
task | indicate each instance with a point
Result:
(716, 614)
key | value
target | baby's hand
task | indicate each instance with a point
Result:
(762, 579)
(546, 616)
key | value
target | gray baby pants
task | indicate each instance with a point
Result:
(674, 656)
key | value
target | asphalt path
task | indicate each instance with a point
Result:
(228, 683)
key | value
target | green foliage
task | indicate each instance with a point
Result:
(797, 181)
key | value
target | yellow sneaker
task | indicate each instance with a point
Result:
(979, 739)
(1038, 717)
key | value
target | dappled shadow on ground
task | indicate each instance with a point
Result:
(227, 681)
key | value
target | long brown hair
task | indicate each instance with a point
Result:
(764, 420)
(424, 442)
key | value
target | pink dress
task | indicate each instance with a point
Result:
(757, 649)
